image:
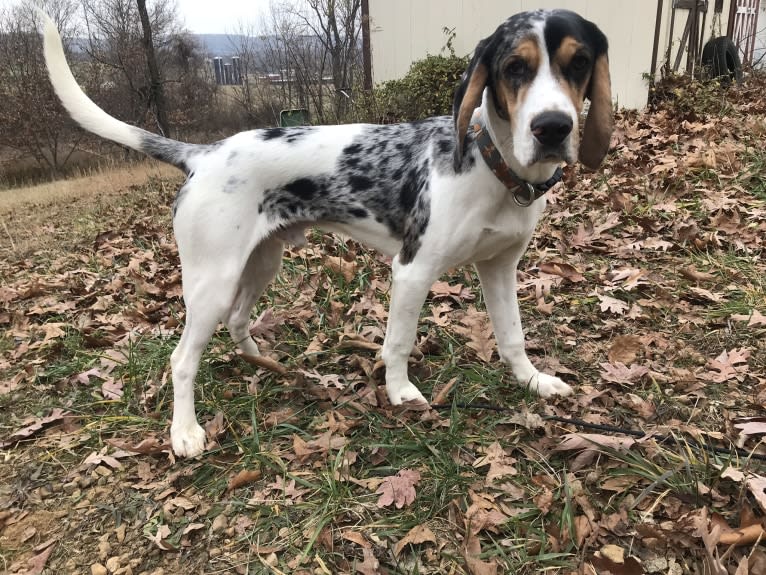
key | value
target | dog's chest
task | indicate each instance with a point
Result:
(494, 231)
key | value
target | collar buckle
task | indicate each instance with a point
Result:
(525, 194)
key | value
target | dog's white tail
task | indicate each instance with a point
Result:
(86, 113)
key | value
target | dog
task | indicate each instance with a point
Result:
(433, 194)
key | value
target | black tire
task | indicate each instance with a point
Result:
(720, 58)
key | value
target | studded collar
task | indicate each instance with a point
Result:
(524, 192)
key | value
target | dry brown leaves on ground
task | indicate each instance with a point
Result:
(643, 287)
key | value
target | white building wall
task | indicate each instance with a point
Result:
(403, 31)
(759, 53)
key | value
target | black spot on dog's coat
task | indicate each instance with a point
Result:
(360, 183)
(273, 133)
(352, 149)
(304, 188)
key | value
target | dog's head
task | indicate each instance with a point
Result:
(539, 67)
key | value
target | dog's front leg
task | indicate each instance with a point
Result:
(498, 281)
(409, 287)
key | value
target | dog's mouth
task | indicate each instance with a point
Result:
(557, 154)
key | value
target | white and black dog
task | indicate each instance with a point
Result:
(432, 194)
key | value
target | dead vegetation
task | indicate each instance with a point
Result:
(644, 288)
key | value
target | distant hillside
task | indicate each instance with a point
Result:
(224, 45)
(219, 44)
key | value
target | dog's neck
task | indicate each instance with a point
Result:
(502, 135)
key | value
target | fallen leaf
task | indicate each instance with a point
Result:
(370, 565)
(148, 446)
(563, 270)
(266, 325)
(755, 318)
(37, 563)
(754, 427)
(620, 373)
(355, 537)
(458, 293)
(606, 563)
(742, 536)
(472, 554)
(242, 478)
(613, 305)
(442, 395)
(264, 362)
(757, 486)
(415, 536)
(476, 326)
(215, 427)
(193, 527)
(729, 365)
(693, 274)
(398, 489)
(97, 458)
(500, 464)
(160, 538)
(340, 266)
(624, 349)
(33, 426)
(111, 389)
(85, 376)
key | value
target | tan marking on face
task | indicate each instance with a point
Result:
(471, 101)
(567, 49)
(509, 96)
(560, 60)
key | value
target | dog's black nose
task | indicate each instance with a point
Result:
(551, 128)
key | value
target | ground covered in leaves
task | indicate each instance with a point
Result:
(644, 288)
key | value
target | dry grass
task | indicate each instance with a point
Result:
(105, 180)
(39, 217)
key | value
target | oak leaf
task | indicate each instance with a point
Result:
(416, 535)
(729, 365)
(398, 489)
(621, 373)
(613, 305)
(33, 425)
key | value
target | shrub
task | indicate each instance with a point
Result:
(426, 90)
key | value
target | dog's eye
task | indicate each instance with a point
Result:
(580, 62)
(516, 68)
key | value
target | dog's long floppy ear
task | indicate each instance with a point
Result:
(468, 97)
(597, 132)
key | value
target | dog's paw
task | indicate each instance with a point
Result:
(547, 385)
(187, 440)
(399, 393)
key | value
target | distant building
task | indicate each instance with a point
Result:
(227, 73)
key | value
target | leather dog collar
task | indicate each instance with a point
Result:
(524, 192)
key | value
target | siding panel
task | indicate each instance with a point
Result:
(406, 30)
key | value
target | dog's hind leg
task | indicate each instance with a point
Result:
(208, 296)
(261, 267)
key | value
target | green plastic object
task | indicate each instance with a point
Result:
(294, 117)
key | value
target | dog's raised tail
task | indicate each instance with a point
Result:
(92, 118)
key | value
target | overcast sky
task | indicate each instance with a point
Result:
(210, 16)
(219, 16)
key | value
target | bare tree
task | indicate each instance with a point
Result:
(308, 56)
(116, 45)
(32, 123)
(337, 26)
(156, 94)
